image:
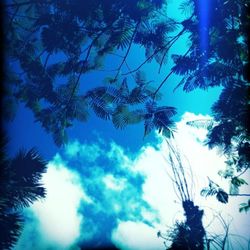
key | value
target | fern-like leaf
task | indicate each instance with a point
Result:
(123, 117)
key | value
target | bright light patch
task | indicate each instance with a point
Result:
(240, 40)
(204, 11)
(114, 184)
(132, 235)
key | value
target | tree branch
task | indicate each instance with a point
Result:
(161, 48)
(239, 194)
(156, 52)
(127, 52)
(84, 66)
(165, 79)
(165, 53)
(242, 172)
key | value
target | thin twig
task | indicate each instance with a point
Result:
(84, 65)
(127, 52)
(247, 168)
(239, 194)
(46, 60)
(165, 53)
(155, 53)
(165, 79)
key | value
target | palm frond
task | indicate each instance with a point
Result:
(183, 64)
(28, 165)
(193, 82)
(101, 108)
(123, 117)
(202, 123)
(137, 95)
(110, 94)
(11, 226)
(186, 7)
(165, 112)
(79, 109)
(148, 125)
(122, 33)
(124, 90)
(158, 118)
(140, 78)
(60, 136)
(26, 171)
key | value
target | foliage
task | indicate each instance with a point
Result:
(188, 234)
(214, 189)
(52, 45)
(222, 61)
(245, 206)
(20, 187)
(229, 131)
(216, 55)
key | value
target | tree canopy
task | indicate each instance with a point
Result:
(49, 45)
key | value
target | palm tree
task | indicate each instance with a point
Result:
(21, 185)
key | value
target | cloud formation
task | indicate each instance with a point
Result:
(102, 194)
(54, 221)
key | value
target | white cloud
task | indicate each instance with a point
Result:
(115, 184)
(159, 192)
(158, 189)
(58, 213)
(90, 151)
(57, 218)
(112, 188)
(136, 235)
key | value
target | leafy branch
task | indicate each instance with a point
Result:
(166, 78)
(157, 51)
(84, 63)
(127, 52)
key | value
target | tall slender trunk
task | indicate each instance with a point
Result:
(194, 222)
(190, 234)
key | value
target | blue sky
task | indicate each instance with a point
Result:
(112, 186)
(197, 101)
(102, 193)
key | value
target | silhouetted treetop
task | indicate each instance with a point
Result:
(21, 185)
(51, 44)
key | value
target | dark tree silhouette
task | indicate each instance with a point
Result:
(53, 44)
(189, 234)
(50, 45)
(20, 187)
(222, 62)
